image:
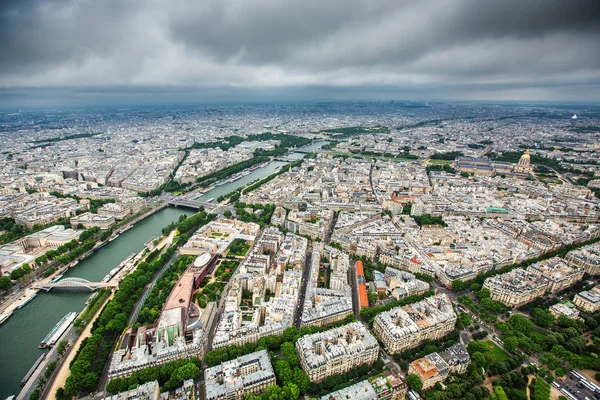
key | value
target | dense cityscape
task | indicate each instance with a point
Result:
(335, 250)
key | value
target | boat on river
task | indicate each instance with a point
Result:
(35, 365)
(5, 317)
(59, 329)
(23, 304)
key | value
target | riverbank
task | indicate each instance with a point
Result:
(16, 302)
(63, 368)
(24, 296)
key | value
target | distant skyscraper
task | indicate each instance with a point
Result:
(574, 120)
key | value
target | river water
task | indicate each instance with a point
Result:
(243, 181)
(21, 334)
(259, 173)
(313, 146)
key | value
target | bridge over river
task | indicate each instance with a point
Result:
(182, 202)
(76, 284)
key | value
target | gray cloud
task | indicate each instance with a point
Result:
(446, 48)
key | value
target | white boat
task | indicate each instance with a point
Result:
(110, 275)
(5, 317)
(126, 229)
(58, 330)
(23, 304)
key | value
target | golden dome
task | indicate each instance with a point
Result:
(526, 154)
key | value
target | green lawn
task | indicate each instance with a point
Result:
(497, 352)
(238, 247)
(438, 162)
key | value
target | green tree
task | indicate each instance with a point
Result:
(289, 334)
(542, 317)
(479, 359)
(483, 294)
(414, 382)
(227, 214)
(458, 285)
(4, 283)
(217, 356)
(520, 323)
(464, 320)
(288, 352)
(561, 371)
(576, 345)
(511, 343)
(500, 394)
(541, 390)
(301, 380)
(478, 346)
(185, 372)
(62, 346)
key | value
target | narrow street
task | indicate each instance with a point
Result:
(305, 278)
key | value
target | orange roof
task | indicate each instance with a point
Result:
(359, 268)
(414, 260)
(362, 295)
(425, 368)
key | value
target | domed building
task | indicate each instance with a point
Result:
(524, 164)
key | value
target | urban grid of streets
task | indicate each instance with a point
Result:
(449, 191)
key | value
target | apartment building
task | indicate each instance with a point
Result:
(406, 327)
(336, 351)
(436, 367)
(588, 300)
(516, 287)
(587, 257)
(233, 380)
(558, 272)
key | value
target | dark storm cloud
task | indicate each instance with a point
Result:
(272, 31)
(452, 48)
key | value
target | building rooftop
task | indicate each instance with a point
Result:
(404, 321)
(359, 391)
(349, 340)
(234, 376)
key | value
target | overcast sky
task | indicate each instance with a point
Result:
(222, 49)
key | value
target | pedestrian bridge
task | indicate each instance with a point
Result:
(191, 203)
(76, 284)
